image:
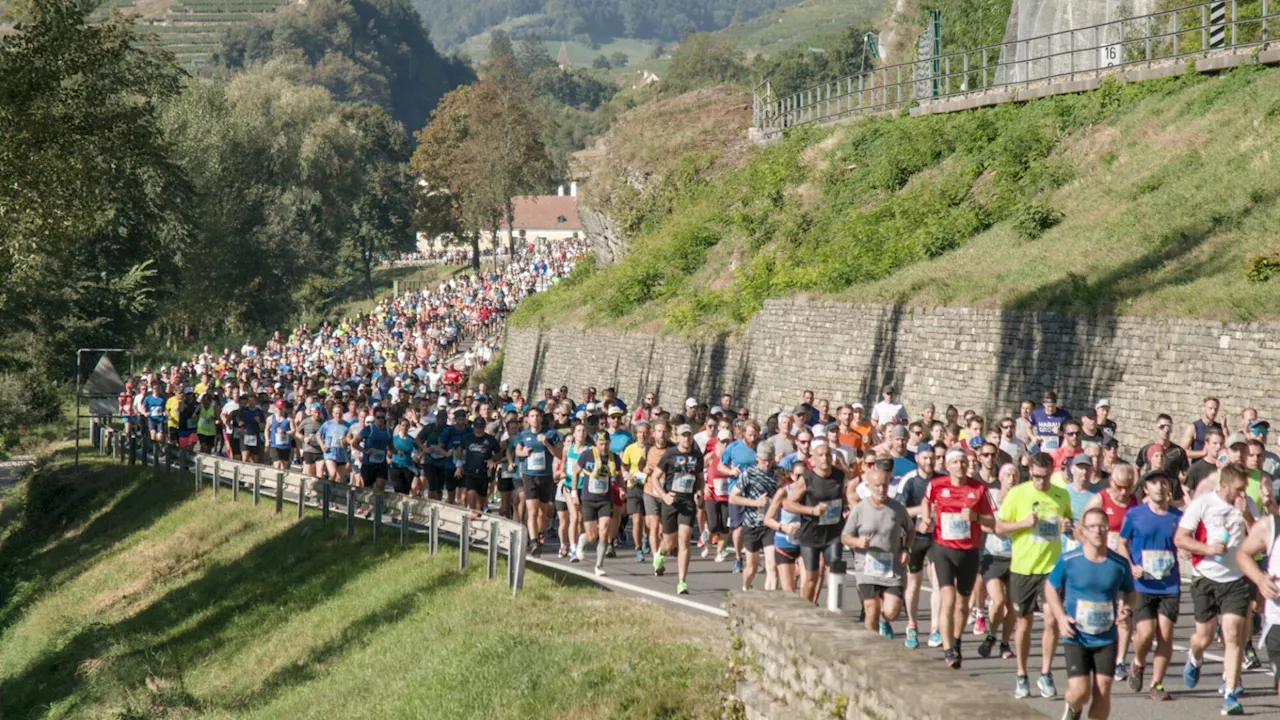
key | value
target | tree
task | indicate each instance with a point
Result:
(533, 54)
(703, 59)
(619, 59)
(500, 44)
(601, 62)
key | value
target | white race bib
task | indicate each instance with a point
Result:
(281, 439)
(536, 462)
(376, 457)
(1069, 543)
(722, 486)
(1094, 618)
(1049, 443)
(1113, 541)
(955, 527)
(250, 440)
(1157, 563)
(1046, 530)
(878, 564)
(598, 485)
(831, 515)
(682, 484)
(637, 479)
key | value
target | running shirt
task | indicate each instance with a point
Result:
(1000, 546)
(309, 427)
(571, 455)
(207, 421)
(753, 484)
(681, 471)
(154, 406)
(1089, 591)
(597, 477)
(332, 433)
(375, 442)
(633, 464)
(1115, 516)
(278, 432)
(251, 422)
(824, 529)
(1079, 501)
(1048, 427)
(619, 440)
(430, 437)
(451, 439)
(948, 500)
(478, 452)
(402, 447)
(1037, 548)
(738, 455)
(887, 526)
(1150, 537)
(538, 463)
(1211, 519)
(173, 409)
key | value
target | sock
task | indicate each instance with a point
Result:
(600, 545)
(582, 544)
(1195, 662)
(912, 624)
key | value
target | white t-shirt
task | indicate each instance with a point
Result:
(883, 412)
(1015, 449)
(1206, 517)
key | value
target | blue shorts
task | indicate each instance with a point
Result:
(735, 516)
(157, 424)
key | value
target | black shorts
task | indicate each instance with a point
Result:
(173, 435)
(506, 484)
(539, 487)
(452, 481)
(595, 510)
(1083, 661)
(233, 443)
(1211, 599)
(635, 501)
(1272, 642)
(785, 556)
(755, 539)
(281, 454)
(866, 592)
(735, 516)
(478, 484)
(435, 478)
(371, 473)
(994, 568)
(1149, 606)
(312, 457)
(958, 568)
(681, 512)
(562, 506)
(206, 442)
(402, 479)
(812, 555)
(919, 551)
(717, 517)
(1026, 593)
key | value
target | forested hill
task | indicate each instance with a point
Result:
(453, 21)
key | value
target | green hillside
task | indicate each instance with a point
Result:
(123, 595)
(796, 23)
(1156, 198)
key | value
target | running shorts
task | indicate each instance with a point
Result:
(595, 510)
(1149, 606)
(402, 479)
(1211, 599)
(539, 487)
(477, 483)
(755, 539)
(1084, 661)
(1026, 593)
(717, 517)
(994, 568)
(371, 473)
(919, 552)
(635, 501)
(681, 512)
(958, 568)
(812, 555)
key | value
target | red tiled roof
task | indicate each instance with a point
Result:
(546, 212)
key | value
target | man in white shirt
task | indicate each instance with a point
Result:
(888, 409)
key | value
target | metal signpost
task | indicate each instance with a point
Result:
(100, 391)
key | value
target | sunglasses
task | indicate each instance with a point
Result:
(1164, 427)
(1071, 434)
(986, 454)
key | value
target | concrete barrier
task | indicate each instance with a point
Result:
(795, 660)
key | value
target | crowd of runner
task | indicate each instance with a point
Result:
(1037, 513)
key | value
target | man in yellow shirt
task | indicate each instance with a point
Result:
(633, 468)
(173, 411)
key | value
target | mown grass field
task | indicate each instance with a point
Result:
(795, 23)
(124, 595)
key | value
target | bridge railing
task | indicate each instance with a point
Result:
(1087, 52)
(492, 535)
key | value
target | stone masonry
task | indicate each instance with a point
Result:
(793, 662)
(983, 359)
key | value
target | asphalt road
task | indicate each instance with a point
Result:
(709, 581)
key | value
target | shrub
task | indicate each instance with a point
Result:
(1263, 267)
(1033, 218)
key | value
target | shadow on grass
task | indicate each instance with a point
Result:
(59, 500)
(293, 572)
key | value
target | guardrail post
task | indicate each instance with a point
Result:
(235, 484)
(493, 549)
(168, 462)
(1265, 12)
(404, 524)
(1175, 28)
(133, 450)
(377, 516)
(351, 511)
(217, 477)
(279, 491)
(257, 486)
(182, 463)
(464, 543)
(325, 491)
(302, 496)
(515, 549)
(199, 475)
(433, 531)
(835, 586)
(1204, 29)
(518, 559)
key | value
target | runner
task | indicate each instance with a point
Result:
(480, 456)
(633, 468)
(652, 484)
(537, 448)
(879, 531)
(681, 469)
(372, 442)
(1147, 539)
(450, 445)
(1115, 500)
(753, 491)
(956, 509)
(332, 439)
(786, 527)
(403, 447)
(433, 455)
(1193, 438)
(737, 456)
(997, 556)
(251, 421)
(1035, 515)
(913, 488)
(1086, 591)
(307, 433)
(600, 471)
(207, 423)
(280, 436)
(819, 497)
(568, 505)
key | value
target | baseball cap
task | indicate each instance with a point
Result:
(442, 403)
(280, 403)
(459, 412)
(898, 431)
(1237, 439)
(690, 402)
(725, 434)
(1153, 474)
(1090, 414)
(887, 390)
(602, 435)
(615, 410)
(684, 430)
(924, 448)
(857, 406)
(188, 389)
(717, 410)
(316, 406)
(1102, 403)
(1081, 459)
(775, 409)
(504, 388)
(1259, 423)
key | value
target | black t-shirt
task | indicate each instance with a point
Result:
(478, 451)
(587, 467)
(676, 465)
(825, 529)
(1200, 470)
(914, 489)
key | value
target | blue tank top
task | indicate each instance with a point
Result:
(781, 539)
(571, 463)
(1202, 430)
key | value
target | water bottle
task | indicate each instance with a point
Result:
(1225, 536)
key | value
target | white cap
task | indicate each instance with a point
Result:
(504, 388)
(725, 434)
(1102, 403)
(857, 405)
(690, 402)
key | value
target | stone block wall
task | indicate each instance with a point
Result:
(984, 359)
(794, 662)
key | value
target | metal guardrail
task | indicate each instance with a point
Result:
(1086, 52)
(491, 534)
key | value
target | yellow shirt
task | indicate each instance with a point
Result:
(172, 408)
(1035, 549)
(633, 463)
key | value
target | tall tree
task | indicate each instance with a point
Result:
(500, 44)
(533, 54)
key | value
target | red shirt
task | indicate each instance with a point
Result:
(453, 378)
(1064, 455)
(711, 463)
(1115, 513)
(948, 500)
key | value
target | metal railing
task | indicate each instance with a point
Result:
(388, 511)
(1087, 52)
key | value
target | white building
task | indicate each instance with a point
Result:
(538, 218)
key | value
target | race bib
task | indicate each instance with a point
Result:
(1045, 531)
(598, 485)
(1002, 545)
(831, 515)
(878, 563)
(281, 439)
(1094, 618)
(637, 479)
(1157, 563)
(250, 440)
(1113, 541)
(722, 486)
(1069, 543)
(1049, 443)
(955, 527)
(682, 484)
(376, 457)
(537, 462)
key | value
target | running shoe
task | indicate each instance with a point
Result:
(703, 538)
(1222, 690)
(639, 556)
(564, 552)
(682, 588)
(1231, 706)
(1021, 687)
(536, 551)
(1136, 677)
(1251, 661)
(1159, 694)
(1069, 714)
(737, 565)
(706, 551)
(886, 630)
(953, 662)
(609, 552)
(658, 567)
(988, 643)
(644, 546)
(1122, 673)
(1047, 688)
(574, 556)
(913, 638)
(1006, 652)
(1190, 675)
(722, 555)
(980, 626)
(935, 638)
(599, 571)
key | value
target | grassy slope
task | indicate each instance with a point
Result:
(787, 26)
(1165, 190)
(122, 595)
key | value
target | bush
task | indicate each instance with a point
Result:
(1262, 268)
(1033, 218)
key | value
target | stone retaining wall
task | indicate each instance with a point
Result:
(983, 359)
(793, 661)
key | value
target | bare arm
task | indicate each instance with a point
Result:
(792, 501)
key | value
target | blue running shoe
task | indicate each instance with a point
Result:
(913, 638)
(1231, 706)
(1190, 675)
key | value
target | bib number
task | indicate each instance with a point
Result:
(281, 439)
(637, 479)
(250, 440)
(1049, 443)
(831, 515)
(1157, 563)
(1113, 541)
(1046, 530)
(1094, 618)
(376, 457)
(722, 487)
(682, 484)
(955, 527)
(878, 563)
(537, 461)
(598, 485)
